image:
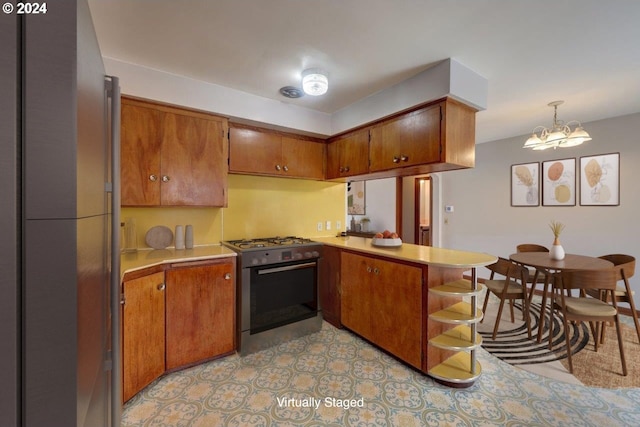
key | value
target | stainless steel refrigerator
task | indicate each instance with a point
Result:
(59, 118)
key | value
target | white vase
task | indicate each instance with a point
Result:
(179, 237)
(557, 251)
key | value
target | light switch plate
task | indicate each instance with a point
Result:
(327, 225)
(338, 225)
(448, 208)
(320, 226)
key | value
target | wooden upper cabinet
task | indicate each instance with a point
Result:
(141, 139)
(260, 152)
(172, 156)
(348, 155)
(252, 151)
(302, 158)
(193, 159)
(411, 139)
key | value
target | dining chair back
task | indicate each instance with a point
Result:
(513, 286)
(535, 275)
(625, 267)
(531, 247)
(583, 308)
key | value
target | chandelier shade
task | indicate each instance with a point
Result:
(559, 135)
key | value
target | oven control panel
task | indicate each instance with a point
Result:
(276, 256)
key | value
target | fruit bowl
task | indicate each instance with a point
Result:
(389, 243)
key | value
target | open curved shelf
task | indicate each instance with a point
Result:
(457, 370)
(457, 339)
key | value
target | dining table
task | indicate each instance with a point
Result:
(551, 269)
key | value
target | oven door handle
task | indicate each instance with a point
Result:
(287, 268)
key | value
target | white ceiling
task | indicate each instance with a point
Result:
(585, 52)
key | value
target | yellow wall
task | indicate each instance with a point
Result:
(258, 207)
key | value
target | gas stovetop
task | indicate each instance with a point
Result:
(268, 242)
(274, 250)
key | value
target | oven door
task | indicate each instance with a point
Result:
(281, 294)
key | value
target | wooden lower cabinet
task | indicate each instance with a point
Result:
(382, 301)
(330, 285)
(143, 333)
(176, 317)
(200, 313)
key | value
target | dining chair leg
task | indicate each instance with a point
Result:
(499, 316)
(527, 316)
(486, 302)
(634, 314)
(620, 346)
(542, 308)
(513, 318)
(567, 343)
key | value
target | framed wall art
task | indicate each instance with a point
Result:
(525, 179)
(559, 182)
(600, 180)
(355, 198)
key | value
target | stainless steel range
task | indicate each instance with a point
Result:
(278, 290)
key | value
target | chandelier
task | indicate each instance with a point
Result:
(559, 135)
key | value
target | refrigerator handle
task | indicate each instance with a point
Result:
(112, 85)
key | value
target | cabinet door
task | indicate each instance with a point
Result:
(356, 302)
(421, 144)
(397, 310)
(140, 155)
(194, 167)
(302, 158)
(256, 152)
(330, 285)
(348, 155)
(411, 139)
(143, 333)
(200, 312)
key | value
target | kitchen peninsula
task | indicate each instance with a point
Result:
(411, 301)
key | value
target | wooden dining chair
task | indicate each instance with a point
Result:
(535, 275)
(583, 308)
(512, 287)
(625, 266)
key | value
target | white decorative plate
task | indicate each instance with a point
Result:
(388, 243)
(159, 237)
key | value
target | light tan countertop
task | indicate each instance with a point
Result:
(429, 255)
(144, 258)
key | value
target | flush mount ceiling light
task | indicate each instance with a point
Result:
(559, 135)
(315, 82)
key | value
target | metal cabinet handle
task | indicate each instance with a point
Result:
(341, 169)
(346, 168)
(369, 269)
(376, 271)
(404, 158)
(286, 168)
(227, 276)
(165, 178)
(396, 159)
(278, 167)
(161, 286)
(153, 178)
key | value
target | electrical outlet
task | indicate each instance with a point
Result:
(320, 226)
(327, 225)
(338, 225)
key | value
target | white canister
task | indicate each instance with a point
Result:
(179, 237)
(188, 237)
